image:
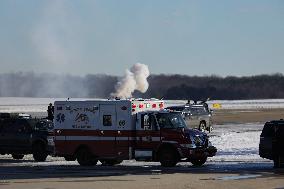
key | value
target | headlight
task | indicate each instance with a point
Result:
(50, 141)
(209, 143)
(198, 140)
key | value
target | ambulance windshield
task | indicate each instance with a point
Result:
(170, 120)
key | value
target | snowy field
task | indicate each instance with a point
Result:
(19, 104)
(235, 143)
(240, 104)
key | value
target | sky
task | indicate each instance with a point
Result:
(225, 37)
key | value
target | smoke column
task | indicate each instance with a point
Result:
(134, 79)
(140, 72)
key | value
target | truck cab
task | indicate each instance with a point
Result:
(21, 135)
(163, 136)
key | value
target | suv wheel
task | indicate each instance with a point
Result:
(168, 157)
(85, 158)
(39, 152)
(278, 162)
(17, 156)
(199, 162)
(202, 126)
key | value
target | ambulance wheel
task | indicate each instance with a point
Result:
(110, 162)
(199, 162)
(39, 152)
(85, 158)
(17, 156)
(168, 157)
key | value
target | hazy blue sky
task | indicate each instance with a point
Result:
(242, 37)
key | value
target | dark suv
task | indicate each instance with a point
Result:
(23, 135)
(271, 144)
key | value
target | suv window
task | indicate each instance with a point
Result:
(41, 125)
(268, 130)
(177, 108)
(280, 130)
(197, 110)
(21, 125)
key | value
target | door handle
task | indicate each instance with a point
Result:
(102, 132)
(118, 132)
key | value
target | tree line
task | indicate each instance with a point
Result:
(160, 86)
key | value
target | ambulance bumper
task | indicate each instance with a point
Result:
(196, 153)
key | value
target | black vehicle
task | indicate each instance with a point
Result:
(271, 144)
(21, 136)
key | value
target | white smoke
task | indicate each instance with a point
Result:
(134, 79)
(141, 72)
(46, 35)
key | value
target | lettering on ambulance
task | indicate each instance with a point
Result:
(81, 121)
(60, 117)
(92, 110)
(82, 118)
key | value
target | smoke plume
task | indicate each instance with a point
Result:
(134, 79)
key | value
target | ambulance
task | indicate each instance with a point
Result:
(111, 131)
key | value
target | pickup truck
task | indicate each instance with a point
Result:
(20, 136)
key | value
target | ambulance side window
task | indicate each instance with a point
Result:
(145, 122)
(154, 124)
(107, 120)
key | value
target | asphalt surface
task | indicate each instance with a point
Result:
(225, 173)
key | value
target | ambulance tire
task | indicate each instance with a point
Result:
(85, 158)
(199, 162)
(168, 157)
(17, 156)
(110, 162)
(39, 152)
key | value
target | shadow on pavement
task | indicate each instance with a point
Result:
(10, 172)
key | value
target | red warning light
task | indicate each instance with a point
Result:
(133, 106)
(141, 105)
(154, 105)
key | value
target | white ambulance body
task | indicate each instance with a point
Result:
(116, 130)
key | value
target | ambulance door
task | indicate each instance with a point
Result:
(147, 137)
(107, 130)
(125, 134)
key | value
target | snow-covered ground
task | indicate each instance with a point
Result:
(239, 104)
(236, 142)
(21, 104)
(25, 104)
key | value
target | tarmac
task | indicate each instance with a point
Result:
(56, 173)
